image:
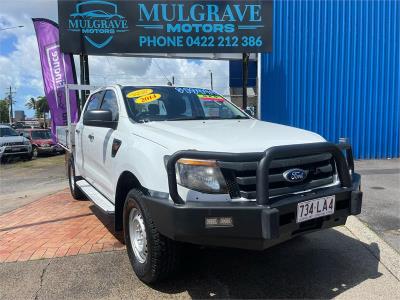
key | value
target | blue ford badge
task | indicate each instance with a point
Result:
(295, 175)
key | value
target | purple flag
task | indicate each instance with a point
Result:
(57, 69)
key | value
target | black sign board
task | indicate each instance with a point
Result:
(131, 26)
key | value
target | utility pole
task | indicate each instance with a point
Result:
(10, 98)
(245, 69)
(84, 64)
(211, 80)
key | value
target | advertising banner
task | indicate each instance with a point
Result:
(57, 70)
(133, 26)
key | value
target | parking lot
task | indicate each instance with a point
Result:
(52, 247)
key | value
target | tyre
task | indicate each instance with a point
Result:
(35, 152)
(153, 256)
(76, 193)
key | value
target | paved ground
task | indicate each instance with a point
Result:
(55, 226)
(342, 262)
(381, 203)
(26, 181)
(321, 265)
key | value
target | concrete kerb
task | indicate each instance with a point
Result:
(387, 256)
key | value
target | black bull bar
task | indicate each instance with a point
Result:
(343, 164)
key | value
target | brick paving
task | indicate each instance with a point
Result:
(56, 226)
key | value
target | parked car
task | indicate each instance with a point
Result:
(42, 142)
(184, 165)
(13, 144)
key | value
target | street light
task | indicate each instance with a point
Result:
(7, 28)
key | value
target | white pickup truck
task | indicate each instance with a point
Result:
(179, 165)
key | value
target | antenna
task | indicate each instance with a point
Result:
(168, 81)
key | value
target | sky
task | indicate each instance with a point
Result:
(20, 65)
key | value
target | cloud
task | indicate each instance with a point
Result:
(21, 66)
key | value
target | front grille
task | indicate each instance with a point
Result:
(241, 177)
(13, 144)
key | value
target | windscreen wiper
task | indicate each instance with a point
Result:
(186, 118)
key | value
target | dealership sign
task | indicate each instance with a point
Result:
(131, 26)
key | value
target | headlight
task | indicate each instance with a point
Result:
(200, 175)
(27, 142)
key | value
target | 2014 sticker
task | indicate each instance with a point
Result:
(139, 93)
(210, 97)
(147, 98)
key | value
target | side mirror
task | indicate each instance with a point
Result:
(21, 134)
(99, 118)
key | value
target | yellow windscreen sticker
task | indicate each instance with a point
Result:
(139, 93)
(147, 98)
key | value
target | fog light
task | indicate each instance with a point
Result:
(219, 222)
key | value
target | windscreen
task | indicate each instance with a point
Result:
(41, 135)
(178, 104)
(6, 131)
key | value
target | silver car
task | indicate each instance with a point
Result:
(13, 144)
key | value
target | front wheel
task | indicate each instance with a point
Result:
(153, 256)
(73, 187)
(35, 152)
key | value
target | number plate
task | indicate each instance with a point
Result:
(315, 208)
(16, 149)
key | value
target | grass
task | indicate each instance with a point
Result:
(37, 163)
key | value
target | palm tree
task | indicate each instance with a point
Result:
(42, 107)
(31, 103)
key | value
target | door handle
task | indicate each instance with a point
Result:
(91, 137)
(77, 131)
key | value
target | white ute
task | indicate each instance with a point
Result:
(179, 165)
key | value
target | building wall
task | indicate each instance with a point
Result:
(335, 70)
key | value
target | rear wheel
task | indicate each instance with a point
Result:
(153, 256)
(75, 191)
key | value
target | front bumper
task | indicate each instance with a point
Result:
(15, 150)
(262, 223)
(254, 226)
(49, 149)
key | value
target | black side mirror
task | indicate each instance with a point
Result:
(21, 134)
(99, 118)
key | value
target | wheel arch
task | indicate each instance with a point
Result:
(126, 181)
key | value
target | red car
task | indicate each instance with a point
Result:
(42, 142)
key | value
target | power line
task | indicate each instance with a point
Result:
(14, 27)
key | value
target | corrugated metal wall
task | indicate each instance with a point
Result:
(335, 70)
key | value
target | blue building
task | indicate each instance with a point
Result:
(335, 70)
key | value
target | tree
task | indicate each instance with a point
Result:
(31, 104)
(42, 107)
(4, 111)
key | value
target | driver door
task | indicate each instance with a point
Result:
(84, 160)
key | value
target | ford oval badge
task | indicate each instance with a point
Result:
(295, 175)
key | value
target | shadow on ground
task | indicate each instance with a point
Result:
(318, 265)
(321, 265)
(108, 222)
(315, 266)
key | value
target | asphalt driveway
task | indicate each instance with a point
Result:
(381, 202)
(25, 181)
